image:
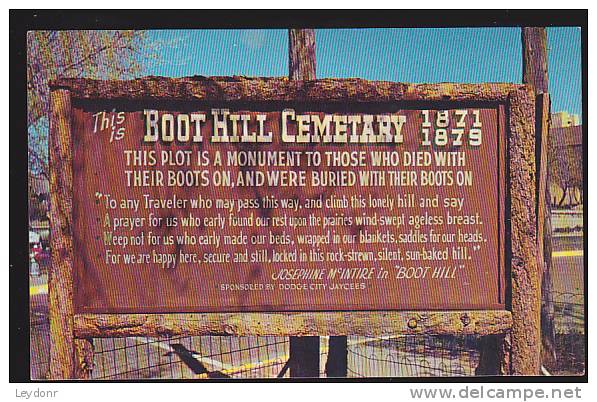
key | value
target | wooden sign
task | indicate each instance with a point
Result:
(270, 207)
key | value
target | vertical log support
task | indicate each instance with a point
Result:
(534, 58)
(304, 356)
(60, 289)
(337, 364)
(525, 274)
(304, 351)
(301, 54)
(535, 73)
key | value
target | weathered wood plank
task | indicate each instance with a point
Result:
(60, 291)
(366, 323)
(244, 89)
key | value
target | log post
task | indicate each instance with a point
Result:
(304, 357)
(337, 364)
(60, 289)
(304, 351)
(301, 54)
(535, 73)
(525, 275)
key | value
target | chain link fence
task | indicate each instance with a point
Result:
(39, 328)
(569, 322)
(413, 356)
(189, 357)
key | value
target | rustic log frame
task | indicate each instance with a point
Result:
(60, 277)
(365, 323)
(520, 322)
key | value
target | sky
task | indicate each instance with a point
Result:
(405, 55)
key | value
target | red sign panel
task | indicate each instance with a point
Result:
(214, 208)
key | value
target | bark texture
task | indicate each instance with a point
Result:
(301, 54)
(525, 274)
(366, 323)
(534, 58)
(535, 74)
(244, 89)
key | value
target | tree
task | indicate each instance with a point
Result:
(56, 54)
(566, 171)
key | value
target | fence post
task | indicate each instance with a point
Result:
(535, 73)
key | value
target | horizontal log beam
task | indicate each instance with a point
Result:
(223, 89)
(364, 323)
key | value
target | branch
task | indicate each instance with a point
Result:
(40, 161)
(94, 53)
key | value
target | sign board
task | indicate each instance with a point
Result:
(263, 206)
(221, 206)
